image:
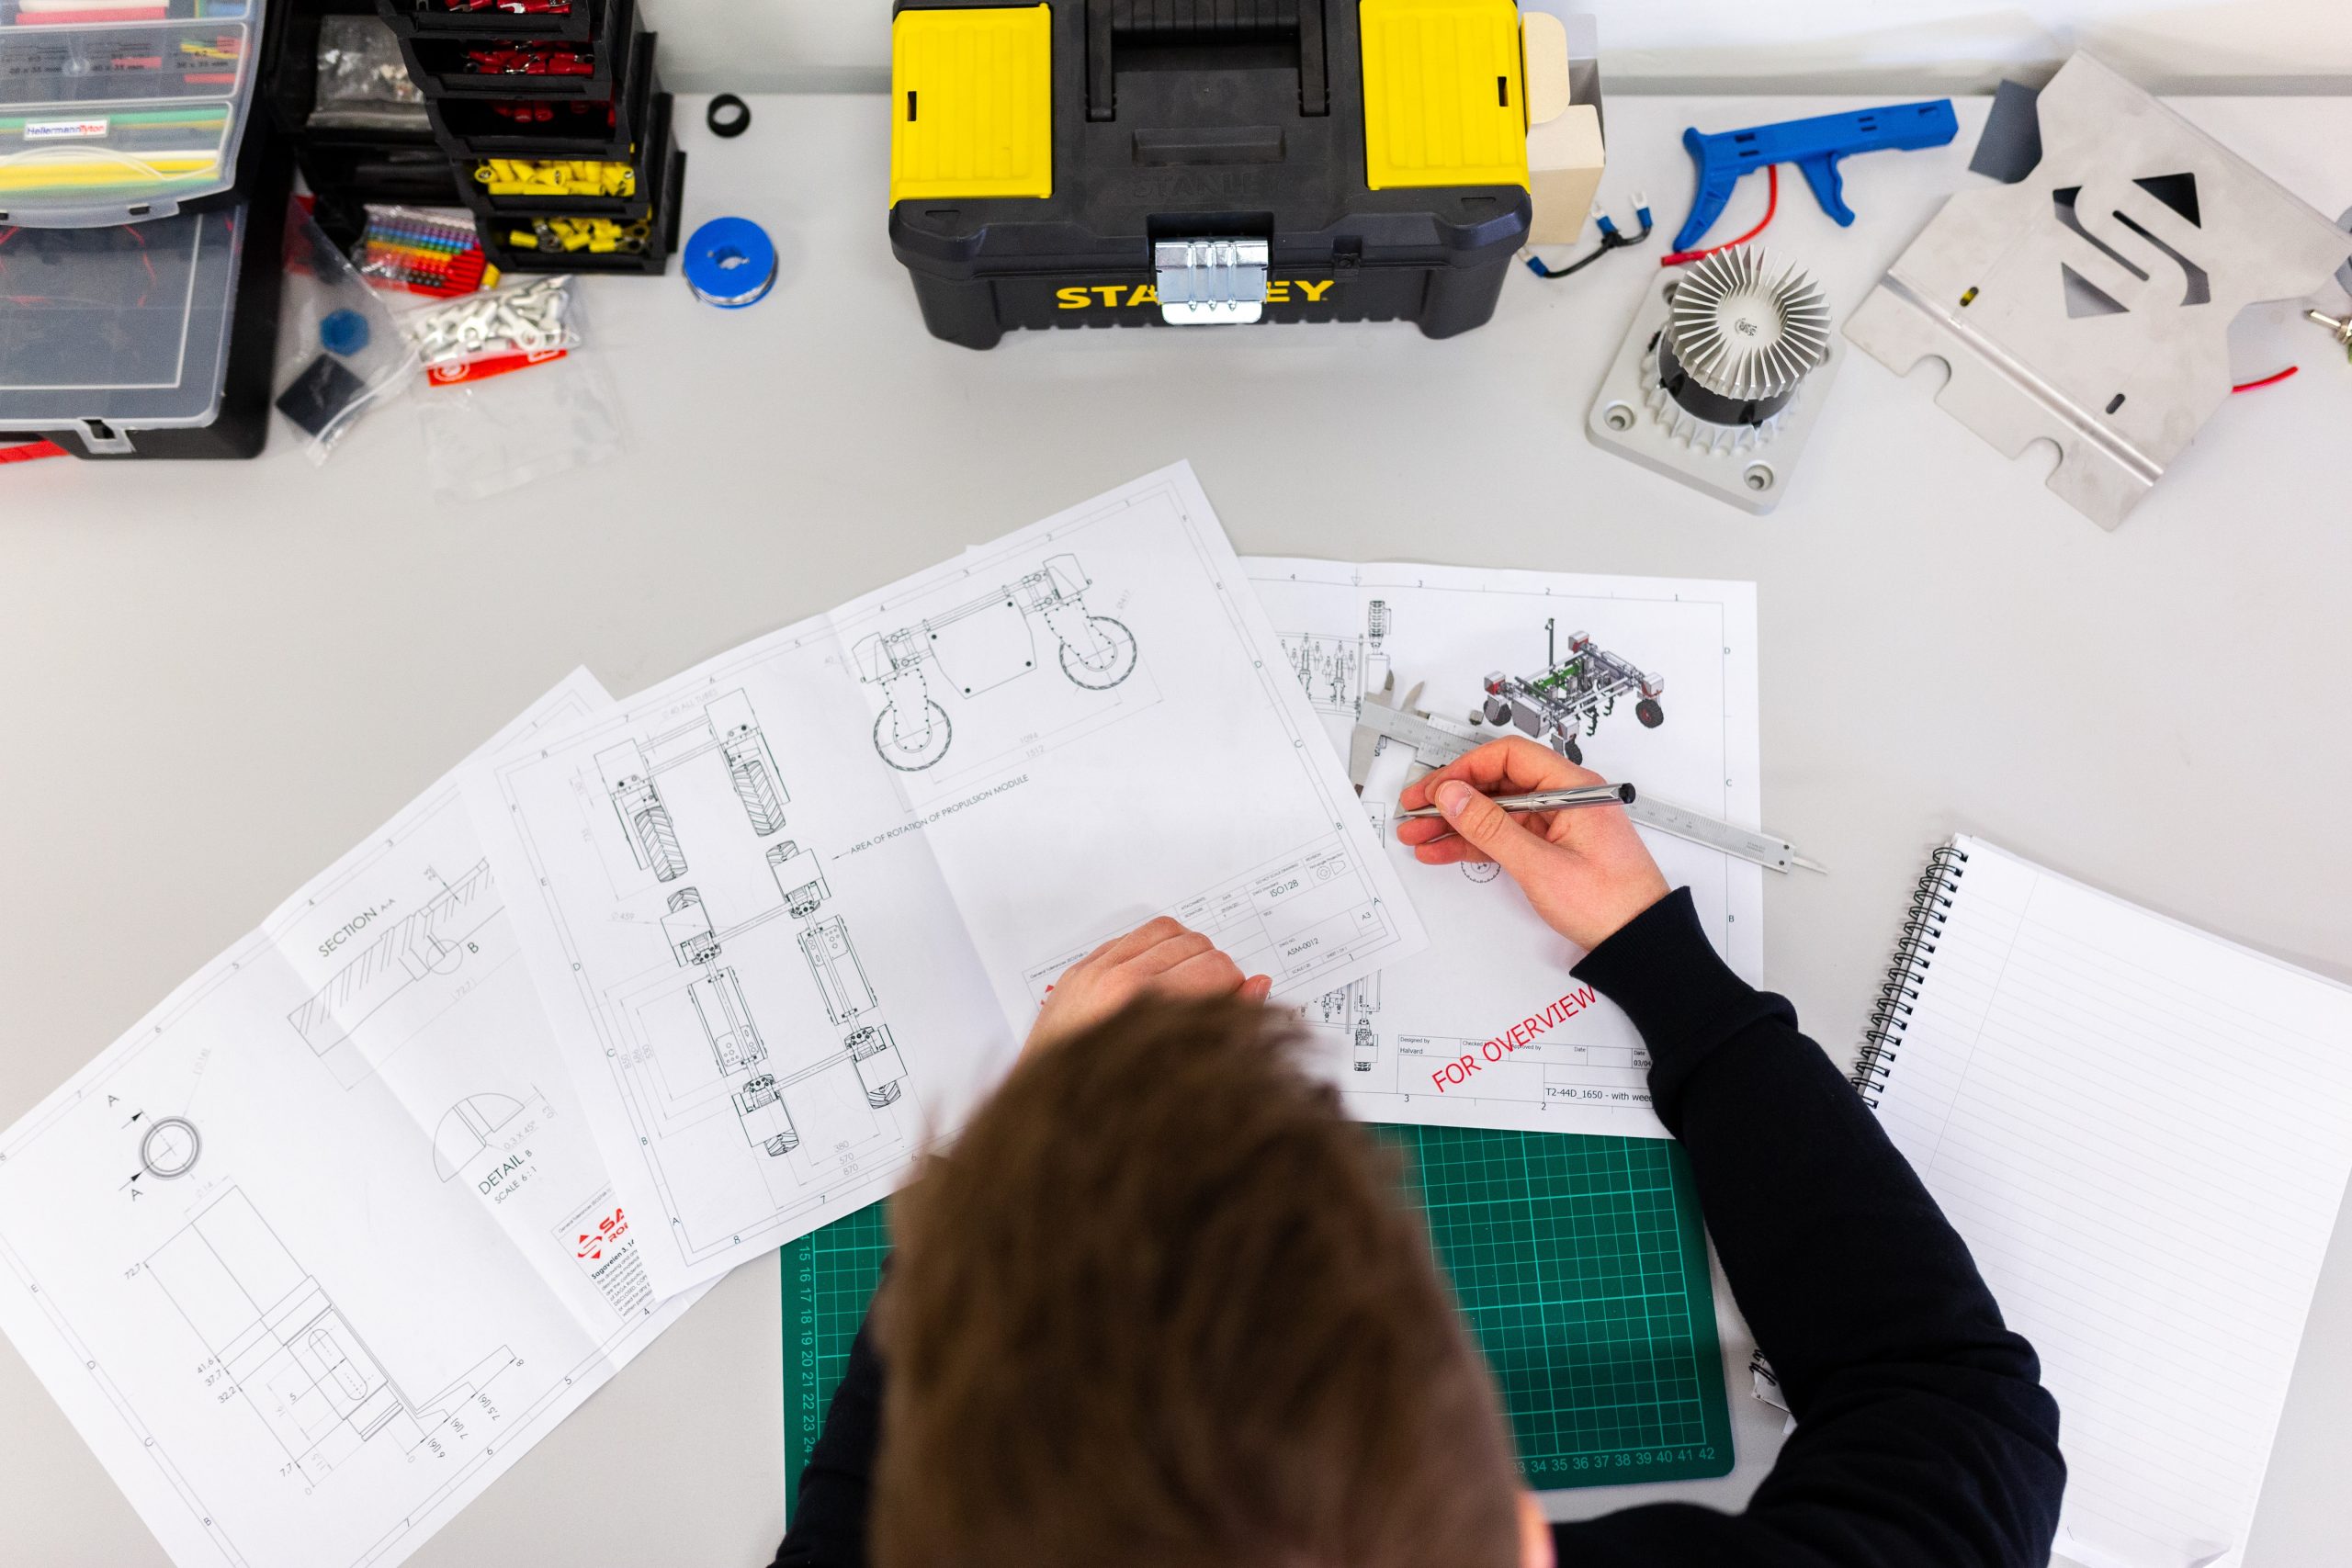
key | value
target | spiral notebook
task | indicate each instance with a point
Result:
(2144, 1133)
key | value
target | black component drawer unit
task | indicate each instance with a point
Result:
(554, 127)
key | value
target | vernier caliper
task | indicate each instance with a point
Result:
(1383, 718)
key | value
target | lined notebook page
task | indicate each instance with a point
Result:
(2144, 1133)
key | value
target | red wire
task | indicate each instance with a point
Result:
(2266, 381)
(1772, 206)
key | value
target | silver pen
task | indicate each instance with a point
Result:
(1549, 800)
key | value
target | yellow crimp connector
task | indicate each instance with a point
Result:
(1444, 93)
(972, 103)
(597, 236)
(554, 176)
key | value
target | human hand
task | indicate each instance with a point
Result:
(1161, 958)
(1586, 871)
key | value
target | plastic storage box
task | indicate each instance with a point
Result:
(148, 340)
(109, 122)
(647, 165)
(490, 19)
(604, 128)
(346, 166)
(656, 235)
(474, 65)
(508, 96)
(1099, 162)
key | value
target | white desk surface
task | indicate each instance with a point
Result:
(220, 677)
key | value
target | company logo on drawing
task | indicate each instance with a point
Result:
(1524, 1033)
(607, 1236)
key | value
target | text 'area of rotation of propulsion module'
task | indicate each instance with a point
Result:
(1721, 377)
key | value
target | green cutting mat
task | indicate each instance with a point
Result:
(1580, 1263)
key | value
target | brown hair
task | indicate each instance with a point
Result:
(1161, 1307)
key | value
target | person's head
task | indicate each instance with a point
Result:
(1162, 1307)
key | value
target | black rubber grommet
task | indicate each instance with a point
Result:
(727, 116)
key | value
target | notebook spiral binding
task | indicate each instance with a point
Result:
(1915, 954)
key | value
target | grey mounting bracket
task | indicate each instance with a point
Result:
(1211, 282)
(2089, 305)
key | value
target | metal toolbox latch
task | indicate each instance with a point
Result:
(1211, 282)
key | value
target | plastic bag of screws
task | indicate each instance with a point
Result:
(363, 82)
(531, 319)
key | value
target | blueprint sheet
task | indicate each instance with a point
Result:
(794, 910)
(321, 1247)
(1487, 1028)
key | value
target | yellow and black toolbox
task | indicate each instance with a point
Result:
(1090, 163)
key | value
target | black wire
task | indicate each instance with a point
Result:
(1610, 241)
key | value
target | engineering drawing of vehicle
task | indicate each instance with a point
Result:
(759, 1105)
(880, 1072)
(1572, 695)
(687, 926)
(981, 645)
(727, 726)
(1348, 1011)
(653, 838)
(798, 879)
(748, 766)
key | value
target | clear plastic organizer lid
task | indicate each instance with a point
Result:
(128, 324)
(114, 110)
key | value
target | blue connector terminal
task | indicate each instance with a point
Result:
(1612, 239)
(1813, 146)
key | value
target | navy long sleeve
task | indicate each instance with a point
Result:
(1923, 1436)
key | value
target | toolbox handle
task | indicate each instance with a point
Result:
(1208, 24)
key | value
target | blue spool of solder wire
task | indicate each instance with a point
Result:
(730, 263)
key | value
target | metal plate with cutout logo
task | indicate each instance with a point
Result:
(2088, 304)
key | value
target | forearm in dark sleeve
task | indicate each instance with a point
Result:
(1921, 1419)
(827, 1528)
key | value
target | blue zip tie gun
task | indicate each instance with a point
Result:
(1813, 146)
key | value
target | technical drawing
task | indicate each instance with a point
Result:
(687, 925)
(1348, 1011)
(1289, 916)
(880, 1072)
(1335, 672)
(288, 1350)
(1329, 669)
(759, 1104)
(979, 645)
(464, 1129)
(839, 974)
(727, 1020)
(752, 1081)
(729, 726)
(652, 837)
(1571, 696)
(435, 940)
(170, 1148)
(757, 783)
(798, 879)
